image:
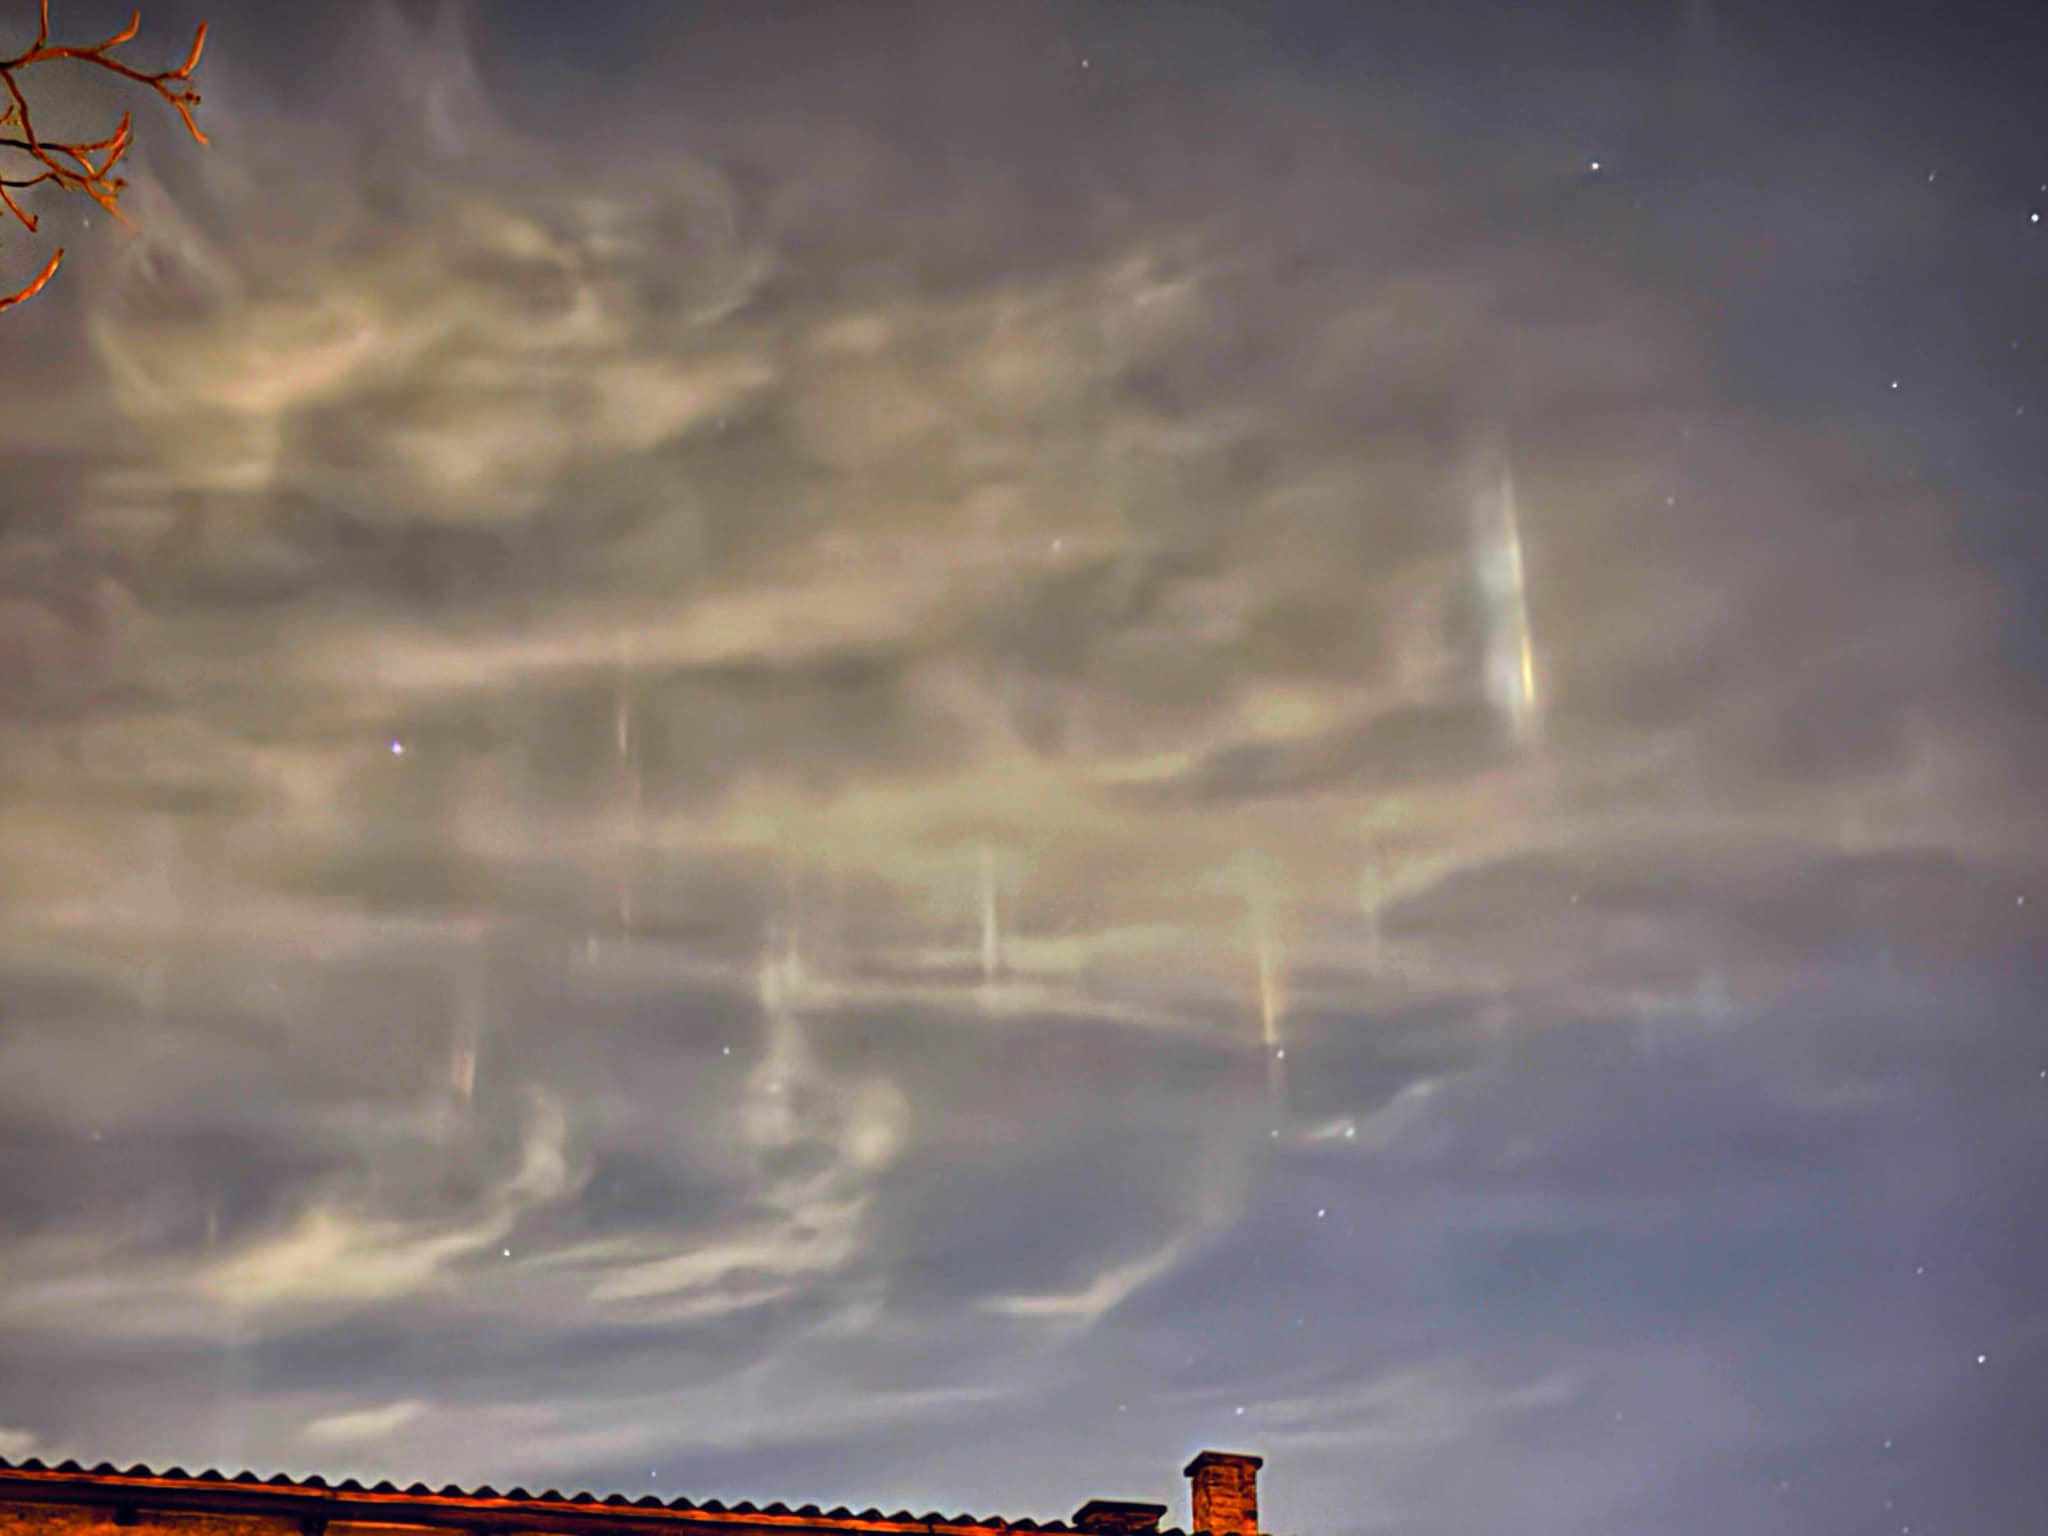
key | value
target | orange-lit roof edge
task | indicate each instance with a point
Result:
(315, 1497)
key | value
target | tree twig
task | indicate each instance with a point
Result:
(70, 164)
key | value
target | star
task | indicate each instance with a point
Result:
(1983, 1359)
(1322, 1211)
(397, 747)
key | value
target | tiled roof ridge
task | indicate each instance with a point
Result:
(609, 1503)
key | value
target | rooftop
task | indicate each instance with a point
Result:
(315, 1503)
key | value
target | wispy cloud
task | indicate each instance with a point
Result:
(363, 1425)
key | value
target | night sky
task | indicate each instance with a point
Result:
(916, 755)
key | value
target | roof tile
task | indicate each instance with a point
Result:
(839, 1513)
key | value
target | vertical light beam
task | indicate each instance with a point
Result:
(469, 1027)
(162, 914)
(991, 923)
(1369, 904)
(1510, 645)
(1272, 1002)
(625, 745)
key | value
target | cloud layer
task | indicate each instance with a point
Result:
(944, 772)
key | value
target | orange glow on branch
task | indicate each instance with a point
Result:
(71, 164)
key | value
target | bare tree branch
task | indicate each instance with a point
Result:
(71, 163)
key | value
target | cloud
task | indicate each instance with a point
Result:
(1434, 1406)
(1105, 1291)
(363, 1425)
(815, 1144)
(340, 1248)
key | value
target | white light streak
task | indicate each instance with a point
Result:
(1510, 644)
(991, 925)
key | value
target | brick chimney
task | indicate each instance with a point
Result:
(1226, 1492)
(1118, 1517)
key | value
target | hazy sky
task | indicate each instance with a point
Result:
(914, 755)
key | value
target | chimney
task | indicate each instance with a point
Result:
(1226, 1493)
(1118, 1517)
